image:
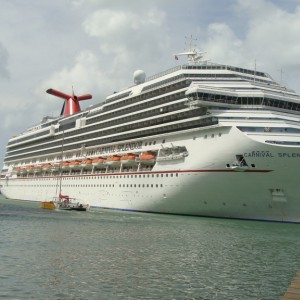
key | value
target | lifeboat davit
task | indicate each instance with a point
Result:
(99, 161)
(75, 164)
(113, 160)
(148, 157)
(128, 159)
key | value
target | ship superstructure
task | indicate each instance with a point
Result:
(198, 139)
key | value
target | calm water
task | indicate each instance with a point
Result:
(118, 255)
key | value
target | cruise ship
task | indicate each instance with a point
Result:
(200, 139)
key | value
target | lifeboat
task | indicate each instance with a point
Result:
(87, 163)
(18, 170)
(75, 164)
(99, 161)
(22, 170)
(37, 169)
(55, 167)
(147, 157)
(128, 159)
(46, 167)
(65, 165)
(29, 169)
(113, 160)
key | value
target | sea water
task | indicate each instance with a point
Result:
(103, 254)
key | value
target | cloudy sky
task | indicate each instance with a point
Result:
(96, 45)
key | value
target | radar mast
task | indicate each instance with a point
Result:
(194, 56)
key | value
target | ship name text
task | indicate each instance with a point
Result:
(270, 154)
(121, 147)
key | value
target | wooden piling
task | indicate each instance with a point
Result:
(293, 291)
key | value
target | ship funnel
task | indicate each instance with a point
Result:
(71, 105)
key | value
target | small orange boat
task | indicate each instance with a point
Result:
(128, 159)
(29, 169)
(22, 170)
(37, 169)
(18, 170)
(46, 167)
(65, 165)
(87, 163)
(75, 164)
(99, 161)
(113, 160)
(148, 157)
(55, 167)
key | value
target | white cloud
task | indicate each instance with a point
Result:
(83, 75)
(126, 41)
(133, 32)
(222, 44)
(272, 39)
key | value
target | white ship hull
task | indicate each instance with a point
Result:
(204, 183)
(200, 139)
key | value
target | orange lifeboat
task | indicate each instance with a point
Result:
(87, 163)
(22, 170)
(18, 170)
(29, 169)
(55, 167)
(99, 161)
(148, 157)
(128, 159)
(46, 167)
(113, 160)
(75, 164)
(65, 165)
(37, 169)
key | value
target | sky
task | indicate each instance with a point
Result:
(95, 46)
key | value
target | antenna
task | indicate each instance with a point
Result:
(189, 41)
(281, 76)
(194, 56)
(254, 69)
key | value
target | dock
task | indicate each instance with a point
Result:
(293, 291)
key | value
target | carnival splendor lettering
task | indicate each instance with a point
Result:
(270, 154)
(121, 147)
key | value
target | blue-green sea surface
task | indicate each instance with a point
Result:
(104, 254)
